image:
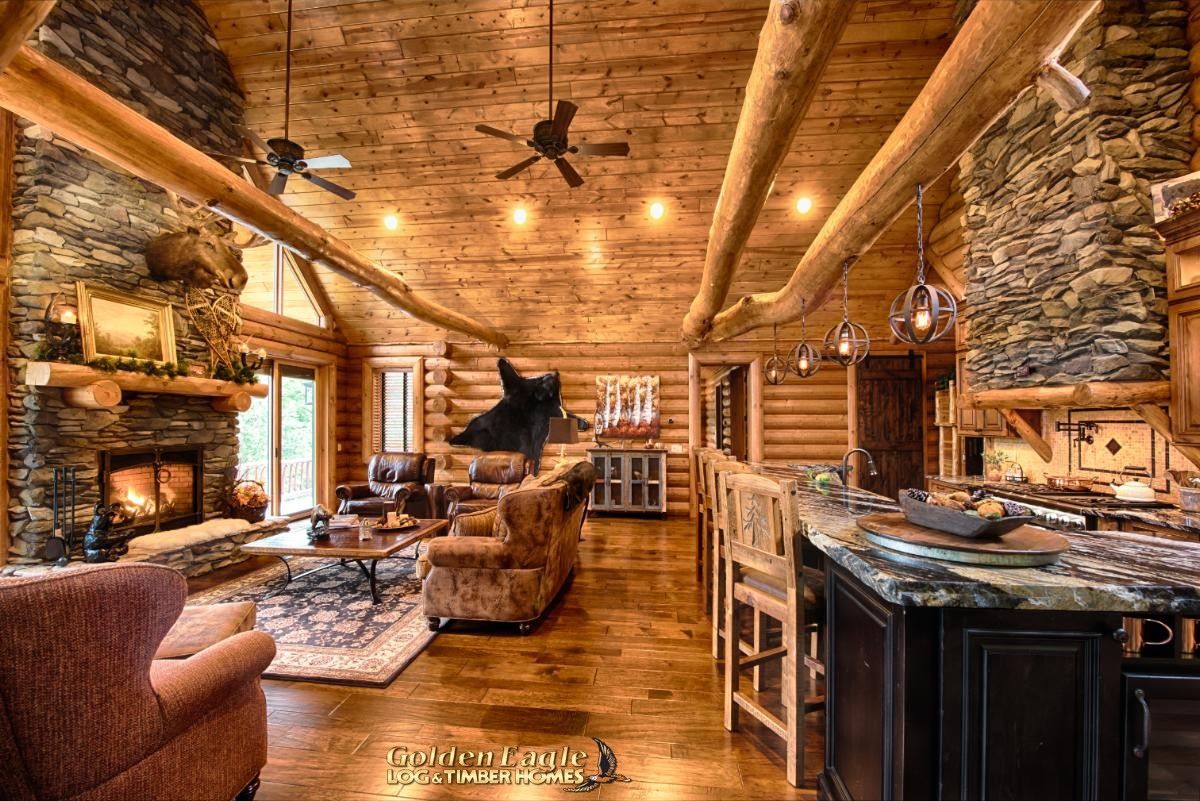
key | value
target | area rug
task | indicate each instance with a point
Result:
(325, 626)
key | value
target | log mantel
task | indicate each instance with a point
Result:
(1095, 394)
(88, 388)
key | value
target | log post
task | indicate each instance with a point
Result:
(102, 394)
(795, 44)
(38, 89)
(1000, 50)
(1032, 436)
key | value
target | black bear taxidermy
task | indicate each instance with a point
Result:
(521, 420)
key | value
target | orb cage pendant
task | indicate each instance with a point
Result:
(922, 313)
(847, 343)
(775, 369)
(806, 360)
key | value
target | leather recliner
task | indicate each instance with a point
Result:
(490, 476)
(399, 481)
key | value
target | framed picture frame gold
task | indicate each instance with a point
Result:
(118, 325)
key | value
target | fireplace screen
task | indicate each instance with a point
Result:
(157, 489)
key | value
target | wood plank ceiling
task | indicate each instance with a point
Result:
(398, 85)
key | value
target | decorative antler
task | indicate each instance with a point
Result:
(249, 239)
(192, 215)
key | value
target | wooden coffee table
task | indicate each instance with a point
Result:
(344, 546)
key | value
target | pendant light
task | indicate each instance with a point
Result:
(806, 360)
(847, 343)
(922, 313)
(776, 369)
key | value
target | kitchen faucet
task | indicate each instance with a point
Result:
(871, 471)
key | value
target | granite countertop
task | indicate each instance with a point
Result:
(1102, 571)
(1167, 518)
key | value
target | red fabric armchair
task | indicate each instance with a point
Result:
(86, 712)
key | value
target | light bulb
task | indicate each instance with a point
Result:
(922, 320)
(844, 345)
(391, 222)
(520, 216)
(803, 363)
(657, 210)
(804, 205)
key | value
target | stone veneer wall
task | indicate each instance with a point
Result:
(75, 219)
(1065, 276)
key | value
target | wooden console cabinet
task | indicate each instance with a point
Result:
(629, 480)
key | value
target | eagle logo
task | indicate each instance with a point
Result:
(607, 771)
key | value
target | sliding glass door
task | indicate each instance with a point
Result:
(278, 437)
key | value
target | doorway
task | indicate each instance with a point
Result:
(277, 438)
(889, 411)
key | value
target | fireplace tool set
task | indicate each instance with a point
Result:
(62, 503)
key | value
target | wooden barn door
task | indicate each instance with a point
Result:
(891, 422)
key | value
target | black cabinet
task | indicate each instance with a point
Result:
(1161, 748)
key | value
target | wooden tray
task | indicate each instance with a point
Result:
(1027, 546)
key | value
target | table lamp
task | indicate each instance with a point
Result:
(563, 432)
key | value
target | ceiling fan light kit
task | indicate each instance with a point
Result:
(550, 137)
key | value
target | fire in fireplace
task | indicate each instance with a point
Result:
(157, 488)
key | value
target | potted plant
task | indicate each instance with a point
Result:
(248, 501)
(995, 461)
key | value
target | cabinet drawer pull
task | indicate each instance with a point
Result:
(1139, 751)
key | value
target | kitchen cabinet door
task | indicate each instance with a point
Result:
(1184, 318)
(1161, 747)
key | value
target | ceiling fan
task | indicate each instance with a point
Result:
(549, 140)
(286, 156)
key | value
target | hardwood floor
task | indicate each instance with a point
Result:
(624, 656)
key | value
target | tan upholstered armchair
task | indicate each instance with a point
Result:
(86, 712)
(490, 476)
(507, 563)
(402, 479)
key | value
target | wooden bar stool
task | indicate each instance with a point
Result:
(764, 569)
(704, 519)
(720, 506)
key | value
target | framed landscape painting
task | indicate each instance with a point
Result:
(121, 326)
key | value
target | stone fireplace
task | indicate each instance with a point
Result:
(158, 488)
(1065, 275)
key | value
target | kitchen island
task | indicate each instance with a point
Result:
(949, 681)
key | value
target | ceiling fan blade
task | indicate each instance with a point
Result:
(330, 186)
(277, 185)
(516, 168)
(490, 131)
(256, 140)
(568, 172)
(602, 149)
(564, 112)
(335, 162)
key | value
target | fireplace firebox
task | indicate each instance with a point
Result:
(157, 488)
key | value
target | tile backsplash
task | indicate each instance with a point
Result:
(1120, 440)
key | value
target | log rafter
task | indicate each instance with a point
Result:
(796, 43)
(43, 91)
(1001, 50)
(18, 19)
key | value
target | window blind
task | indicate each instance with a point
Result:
(393, 411)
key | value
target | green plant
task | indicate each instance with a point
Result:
(995, 458)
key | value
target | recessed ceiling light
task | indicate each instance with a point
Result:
(391, 222)
(657, 210)
(520, 215)
(804, 204)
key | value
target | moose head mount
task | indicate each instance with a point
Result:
(203, 255)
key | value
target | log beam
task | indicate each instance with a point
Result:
(38, 89)
(1064, 88)
(18, 19)
(1033, 438)
(102, 394)
(1000, 50)
(795, 44)
(1159, 420)
(1095, 394)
